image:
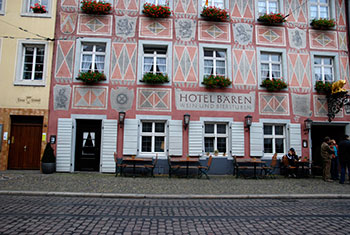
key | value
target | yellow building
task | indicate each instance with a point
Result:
(25, 68)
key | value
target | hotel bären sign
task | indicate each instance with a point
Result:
(214, 101)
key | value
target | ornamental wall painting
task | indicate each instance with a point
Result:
(185, 64)
(272, 36)
(344, 69)
(299, 71)
(343, 42)
(64, 60)
(127, 6)
(68, 22)
(244, 68)
(185, 29)
(70, 4)
(326, 40)
(123, 62)
(86, 97)
(242, 9)
(273, 104)
(154, 99)
(296, 11)
(210, 31)
(160, 28)
(125, 26)
(341, 15)
(95, 25)
(185, 7)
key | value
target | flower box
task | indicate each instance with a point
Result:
(274, 84)
(38, 9)
(156, 11)
(323, 87)
(155, 78)
(322, 23)
(91, 77)
(216, 81)
(215, 14)
(96, 8)
(272, 18)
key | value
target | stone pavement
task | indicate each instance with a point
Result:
(162, 185)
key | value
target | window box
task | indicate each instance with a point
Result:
(156, 11)
(213, 13)
(323, 87)
(96, 7)
(274, 84)
(322, 23)
(91, 77)
(272, 18)
(216, 81)
(155, 78)
(38, 9)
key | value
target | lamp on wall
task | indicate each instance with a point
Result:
(248, 121)
(187, 118)
(121, 118)
(307, 124)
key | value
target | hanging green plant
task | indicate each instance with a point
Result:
(96, 7)
(274, 84)
(272, 18)
(215, 14)
(322, 23)
(156, 11)
(91, 77)
(323, 87)
(155, 78)
(216, 81)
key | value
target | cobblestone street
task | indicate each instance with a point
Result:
(72, 215)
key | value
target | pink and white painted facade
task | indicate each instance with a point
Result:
(126, 32)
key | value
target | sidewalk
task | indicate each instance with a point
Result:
(97, 184)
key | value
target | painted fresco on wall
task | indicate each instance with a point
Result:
(297, 11)
(87, 97)
(244, 68)
(273, 104)
(341, 15)
(297, 38)
(323, 39)
(68, 22)
(95, 25)
(299, 73)
(343, 42)
(272, 36)
(122, 99)
(321, 107)
(210, 31)
(242, 9)
(130, 7)
(344, 69)
(154, 99)
(70, 4)
(243, 33)
(125, 26)
(185, 29)
(123, 63)
(159, 28)
(301, 104)
(64, 60)
(62, 94)
(185, 64)
(185, 7)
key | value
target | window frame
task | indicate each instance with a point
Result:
(273, 136)
(154, 56)
(214, 58)
(3, 6)
(93, 54)
(267, 6)
(27, 13)
(331, 10)
(270, 63)
(336, 68)
(78, 55)
(322, 66)
(216, 136)
(153, 134)
(20, 63)
(200, 7)
(142, 2)
(284, 72)
(228, 64)
(279, 10)
(141, 54)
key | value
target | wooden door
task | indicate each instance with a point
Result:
(25, 146)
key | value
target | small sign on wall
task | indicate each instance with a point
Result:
(1, 135)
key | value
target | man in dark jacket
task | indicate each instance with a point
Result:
(326, 154)
(344, 157)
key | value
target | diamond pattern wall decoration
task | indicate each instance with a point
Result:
(323, 39)
(70, 3)
(340, 10)
(95, 25)
(273, 104)
(343, 42)
(185, 64)
(127, 6)
(242, 9)
(64, 59)
(299, 71)
(68, 22)
(244, 68)
(189, 7)
(124, 57)
(161, 28)
(154, 99)
(274, 36)
(219, 32)
(85, 97)
(344, 69)
(296, 10)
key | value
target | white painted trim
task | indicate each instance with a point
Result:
(272, 121)
(153, 117)
(25, 10)
(280, 8)
(332, 14)
(215, 119)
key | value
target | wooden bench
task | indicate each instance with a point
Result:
(241, 165)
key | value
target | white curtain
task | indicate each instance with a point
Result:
(208, 67)
(147, 64)
(86, 63)
(100, 63)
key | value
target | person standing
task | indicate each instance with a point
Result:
(326, 154)
(344, 158)
(335, 161)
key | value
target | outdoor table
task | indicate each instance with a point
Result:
(302, 163)
(187, 161)
(136, 161)
(255, 162)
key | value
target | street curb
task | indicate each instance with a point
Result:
(175, 196)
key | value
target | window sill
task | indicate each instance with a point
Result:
(36, 15)
(30, 83)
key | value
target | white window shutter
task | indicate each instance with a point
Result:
(195, 138)
(175, 137)
(237, 138)
(131, 135)
(64, 145)
(256, 139)
(109, 145)
(295, 137)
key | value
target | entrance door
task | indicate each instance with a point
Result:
(25, 143)
(88, 143)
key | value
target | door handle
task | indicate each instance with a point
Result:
(25, 148)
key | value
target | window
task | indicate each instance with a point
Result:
(2, 7)
(323, 67)
(159, 2)
(93, 57)
(216, 137)
(154, 60)
(214, 62)
(271, 66)
(274, 138)
(153, 137)
(27, 11)
(319, 9)
(267, 6)
(31, 63)
(214, 3)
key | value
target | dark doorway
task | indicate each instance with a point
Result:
(318, 132)
(88, 143)
(25, 142)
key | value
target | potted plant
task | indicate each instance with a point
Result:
(216, 152)
(95, 7)
(274, 84)
(272, 18)
(156, 11)
(48, 161)
(91, 77)
(323, 87)
(216, 81)
(322, 23)
(38, 9)
(155, 78)
(213, 13)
